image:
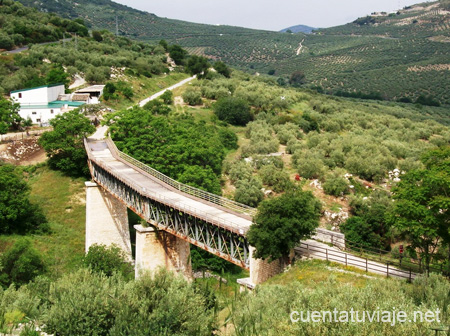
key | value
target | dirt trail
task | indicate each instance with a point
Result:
(300, 47)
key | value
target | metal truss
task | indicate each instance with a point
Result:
(224, 243)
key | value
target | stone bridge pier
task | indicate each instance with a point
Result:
(107, 224)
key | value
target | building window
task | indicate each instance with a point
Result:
(20, 94)
(33, 112)
(38, 120)
(51, 111)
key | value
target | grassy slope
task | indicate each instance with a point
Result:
(62, 199)
(145, 87)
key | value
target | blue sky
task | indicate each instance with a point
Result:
(267, 14)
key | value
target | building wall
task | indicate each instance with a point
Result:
(54, 92)
(39, 115)
(38, 96)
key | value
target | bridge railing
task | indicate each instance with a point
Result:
(204, 195)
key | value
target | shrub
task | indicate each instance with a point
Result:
(193, 96)
(21, 264)
(276, 178)
(17, 213)
(359, 231)
(107, 260)
(233, 110)
(311, 167)
(335, 184)
(228, 138)
(240, 170)
(249, 192)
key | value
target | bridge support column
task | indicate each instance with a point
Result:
(261, 270)
(106, 220)
(156, 249)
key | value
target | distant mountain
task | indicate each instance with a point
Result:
(299, 29)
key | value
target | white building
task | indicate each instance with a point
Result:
(41, 104)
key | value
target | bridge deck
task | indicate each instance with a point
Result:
(101, 154)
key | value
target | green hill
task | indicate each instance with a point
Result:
(400, 55)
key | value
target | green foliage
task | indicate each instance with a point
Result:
(228, 138)
(96, 35)
(65, 144)
(20, 264)
(233, 110)
(178, 54)
(427, 100)
(86, 303)
(167, 97)
(202, 178)
(222, 69)
(335, 184)
(312, 286)
(276, 178)
(203, 260)
(157, 106)
(57, 75)
(249, 192)
(193, 96)
(421, 197)
(197, 65)
(175, 145)
(297, 79)
(9, 115)
(371, 228)
(115, 91)
(360, 232)
(17, 213)
(22, 25)
(282, 222)
(261, 139)
(107, 260)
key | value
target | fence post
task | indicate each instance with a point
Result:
(345, 259)
(307, 247)
(326, 251)
(367, 265)
(410, 274)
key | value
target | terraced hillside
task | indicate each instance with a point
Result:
(397, 55)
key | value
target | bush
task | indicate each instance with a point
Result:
(233, 110)
(240, 170)
(276, 178)
(107, 260)
(228, 138)
(358, 231)
(167, 97)
(17, 213)
(193, 96)
(20, 264)
(85, 303)
(311, 167)
(335, 184)
(249, 192)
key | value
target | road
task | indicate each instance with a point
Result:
(156, 95)
(317, 250)
(24, 48)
